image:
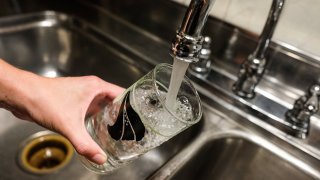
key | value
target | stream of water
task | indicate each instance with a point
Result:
(178, 71)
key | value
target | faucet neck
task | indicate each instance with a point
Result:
(195, 17)
(268, 30)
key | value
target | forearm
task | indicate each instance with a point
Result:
(15, 84)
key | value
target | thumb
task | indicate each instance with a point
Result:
(86, 146)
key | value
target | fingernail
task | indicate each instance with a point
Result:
(99, 158)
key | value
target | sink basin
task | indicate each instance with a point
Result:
(237, 155)
(54, 44)
(98, 38)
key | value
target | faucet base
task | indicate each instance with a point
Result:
(241, 89)
(250, 73)
(298, 129)
(243, 94)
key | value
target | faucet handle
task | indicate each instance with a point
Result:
(312, 104)
(303, 109)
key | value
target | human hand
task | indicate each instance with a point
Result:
(61, 105)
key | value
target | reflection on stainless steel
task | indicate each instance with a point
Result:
(305, 107)
(188, 41)
(61, 48)
(235, 154)
(120, 42)
(227, 151)
(202, 67)
(253, 68)
(53, 44)
(50, 72)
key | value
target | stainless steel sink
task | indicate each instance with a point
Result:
(54, 44)
(119, 42)
(237, 156)
(227, 150)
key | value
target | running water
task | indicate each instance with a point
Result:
(178, 71)
(159, 126)
(137, 121)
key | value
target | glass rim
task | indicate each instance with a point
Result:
(163, 103)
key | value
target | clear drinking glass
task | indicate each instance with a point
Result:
(139, 119)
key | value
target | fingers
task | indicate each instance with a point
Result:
(86, 146)
(114, 89)
(111, 90)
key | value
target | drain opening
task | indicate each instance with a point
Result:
(45, 152)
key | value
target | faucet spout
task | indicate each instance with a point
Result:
(187, 44)
(253, 68)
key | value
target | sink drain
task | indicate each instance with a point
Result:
(45, 152)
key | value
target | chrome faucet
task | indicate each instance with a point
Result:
(306, 106)
(202, 67)
(188, 41)
(253, 68)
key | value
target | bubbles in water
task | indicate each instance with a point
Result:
(151, 100)
(184, 108)
(155, 116)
